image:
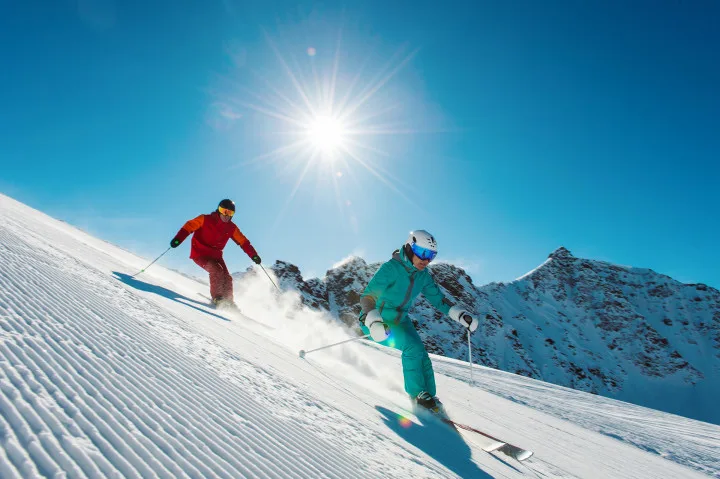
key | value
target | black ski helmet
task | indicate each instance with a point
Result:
(228, 204)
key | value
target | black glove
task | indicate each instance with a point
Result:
(256, 259)
(471, 323)
(175, 243)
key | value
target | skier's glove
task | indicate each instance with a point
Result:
(379, 331)
(463, 317)
(256, 259)
(175, 243)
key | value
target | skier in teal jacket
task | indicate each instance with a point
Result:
(385, 304)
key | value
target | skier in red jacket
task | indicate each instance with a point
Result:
(212, 233)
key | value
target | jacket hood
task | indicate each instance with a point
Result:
(399, 255)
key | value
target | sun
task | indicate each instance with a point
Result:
(313, 118)
(327, 134)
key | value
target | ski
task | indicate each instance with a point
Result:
(492, 444)
(506, 448)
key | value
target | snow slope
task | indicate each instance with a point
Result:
(105, 375)
(620, 332)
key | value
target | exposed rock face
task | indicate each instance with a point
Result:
(623, 332)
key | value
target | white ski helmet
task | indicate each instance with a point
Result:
(422, 244)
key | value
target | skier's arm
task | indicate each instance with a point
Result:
(379, 283)
(189, 227)
(433, 294)
(244, 243)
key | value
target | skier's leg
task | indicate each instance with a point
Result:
(417, 367)
(215, 275)
(429, 374)
(226, 282)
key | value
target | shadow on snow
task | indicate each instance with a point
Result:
(437, 441)
(167, 293)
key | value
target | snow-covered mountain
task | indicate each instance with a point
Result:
(621, 332)
(105, 373)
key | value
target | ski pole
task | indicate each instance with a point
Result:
(470, 359)
(303, 352)
(266, 274)
(146, 267)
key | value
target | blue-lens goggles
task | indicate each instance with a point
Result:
(423, 253)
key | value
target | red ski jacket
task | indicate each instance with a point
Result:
(211, 236)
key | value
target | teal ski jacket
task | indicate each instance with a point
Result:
(394, 288)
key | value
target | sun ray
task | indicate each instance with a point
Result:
(278, 115)
(304, 82)
(318, 86)
(378, 176)
(291, 196)
(338, 198)
(290, 74)
(352, 123)
(366, 147)
(335, 69)
(379, 166)
(297, 113)
(350, 175)
(399, 131)
(367, 94)
(306, 152)
(297, 108)
(276, 152)
(348, 93)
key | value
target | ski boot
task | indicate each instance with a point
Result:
(222, 303)
(425, 403)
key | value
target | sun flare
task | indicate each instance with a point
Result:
(329, 122)
(327, 134)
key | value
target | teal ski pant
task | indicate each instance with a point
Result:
(417, 368)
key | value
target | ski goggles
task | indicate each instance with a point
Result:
(225, 211)
(423, 253)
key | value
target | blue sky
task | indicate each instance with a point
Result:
(506, 128)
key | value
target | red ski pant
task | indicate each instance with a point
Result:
(220, 280)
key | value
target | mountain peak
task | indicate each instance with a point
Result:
(561, 253)
(351, 261)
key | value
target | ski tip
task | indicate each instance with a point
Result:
(516, 452)
(524, 455)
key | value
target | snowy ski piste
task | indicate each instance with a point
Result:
(103, 374)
